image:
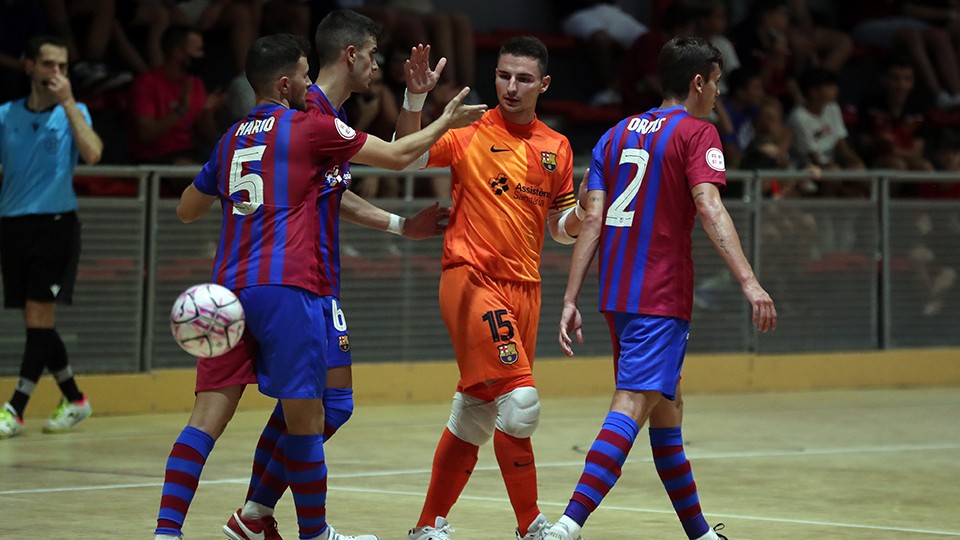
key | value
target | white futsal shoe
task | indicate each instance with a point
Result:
(441, 531)
(537, 530)
(334, 535)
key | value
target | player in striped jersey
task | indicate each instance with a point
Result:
(512, 179)
(268, 170)
(650, 176)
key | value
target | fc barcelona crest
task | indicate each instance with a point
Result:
(344, 340)
(508, 353)
(549, 160)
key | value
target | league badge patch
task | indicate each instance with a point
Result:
(508, 353)
(549, 161)
(344, 340)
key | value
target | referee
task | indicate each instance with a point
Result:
(41, 137)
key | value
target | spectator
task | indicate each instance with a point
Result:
(890, 122)
(148, 19)
(240, 17)
(818, 128)
(90, 70)
(606, 30)
(19, 21)
(639, 79)
(171, 109)
(710, 22)
(763, 39)
(886, 24)
(741, 106)
(449, 34)
(815, 45)
(41, 137)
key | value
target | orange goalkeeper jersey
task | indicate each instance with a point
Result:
(506, 179)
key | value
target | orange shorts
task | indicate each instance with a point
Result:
(229, 369)
(492, 324)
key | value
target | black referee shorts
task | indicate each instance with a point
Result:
(38, 258)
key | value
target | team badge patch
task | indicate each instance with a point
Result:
(715, 160)
(549, 160)
(344, 130)
(344, 340)
(508, 353)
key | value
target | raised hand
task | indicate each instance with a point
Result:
(458, 115)
(419, 77)
(428, 222)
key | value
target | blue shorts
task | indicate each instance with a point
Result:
(294, 332)
(338, 337)
(648, 351)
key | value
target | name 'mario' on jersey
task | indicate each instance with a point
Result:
(647, 164)
(266, 169)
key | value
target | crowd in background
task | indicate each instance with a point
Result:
(810, 85)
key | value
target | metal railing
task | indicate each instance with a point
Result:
(847, 274)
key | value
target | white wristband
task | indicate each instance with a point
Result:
(413, 102)
(396, 225)
(580, 211)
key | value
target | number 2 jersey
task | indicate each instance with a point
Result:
(647, 164)
(270, 171)
(506, 179)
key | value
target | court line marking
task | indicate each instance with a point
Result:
(579, 463)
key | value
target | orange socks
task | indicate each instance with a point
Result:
(515, 457)
(452, 466)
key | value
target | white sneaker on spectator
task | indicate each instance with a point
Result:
(11, 424)
(440, 531)
(67, 415)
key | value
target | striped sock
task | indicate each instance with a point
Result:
(273, 482)
(307, 473)
(180, 480)
(674, 470)
(337, 409)
(274, 429)
(603, 465)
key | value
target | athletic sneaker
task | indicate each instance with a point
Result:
(10, 423)
(241, 528)
(334, 535)
(559, 531)
(537, 530)
(67, 415)
(441, 531)
(719, 527)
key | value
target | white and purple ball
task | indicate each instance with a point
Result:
(207, 320)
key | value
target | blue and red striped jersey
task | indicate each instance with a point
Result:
(269, 170)
(337, 179)
(647, 164)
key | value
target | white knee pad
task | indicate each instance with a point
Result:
(519, 412)
(472, 419)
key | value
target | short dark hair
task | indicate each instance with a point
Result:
(682, 58)
(272, 56)
(816, 78)
(173, 37)
(32, 50)
(527, 47)
(340, 29)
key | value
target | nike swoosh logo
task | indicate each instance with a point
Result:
(518, 464)
(493, 148)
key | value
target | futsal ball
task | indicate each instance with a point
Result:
(207, 320)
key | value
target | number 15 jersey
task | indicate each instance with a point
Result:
(647, 164)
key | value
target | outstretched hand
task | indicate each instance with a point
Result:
(419, 77)
(570, 323)
(459, 115)
(428, 222)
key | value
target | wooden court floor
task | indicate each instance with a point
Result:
(819, 465)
